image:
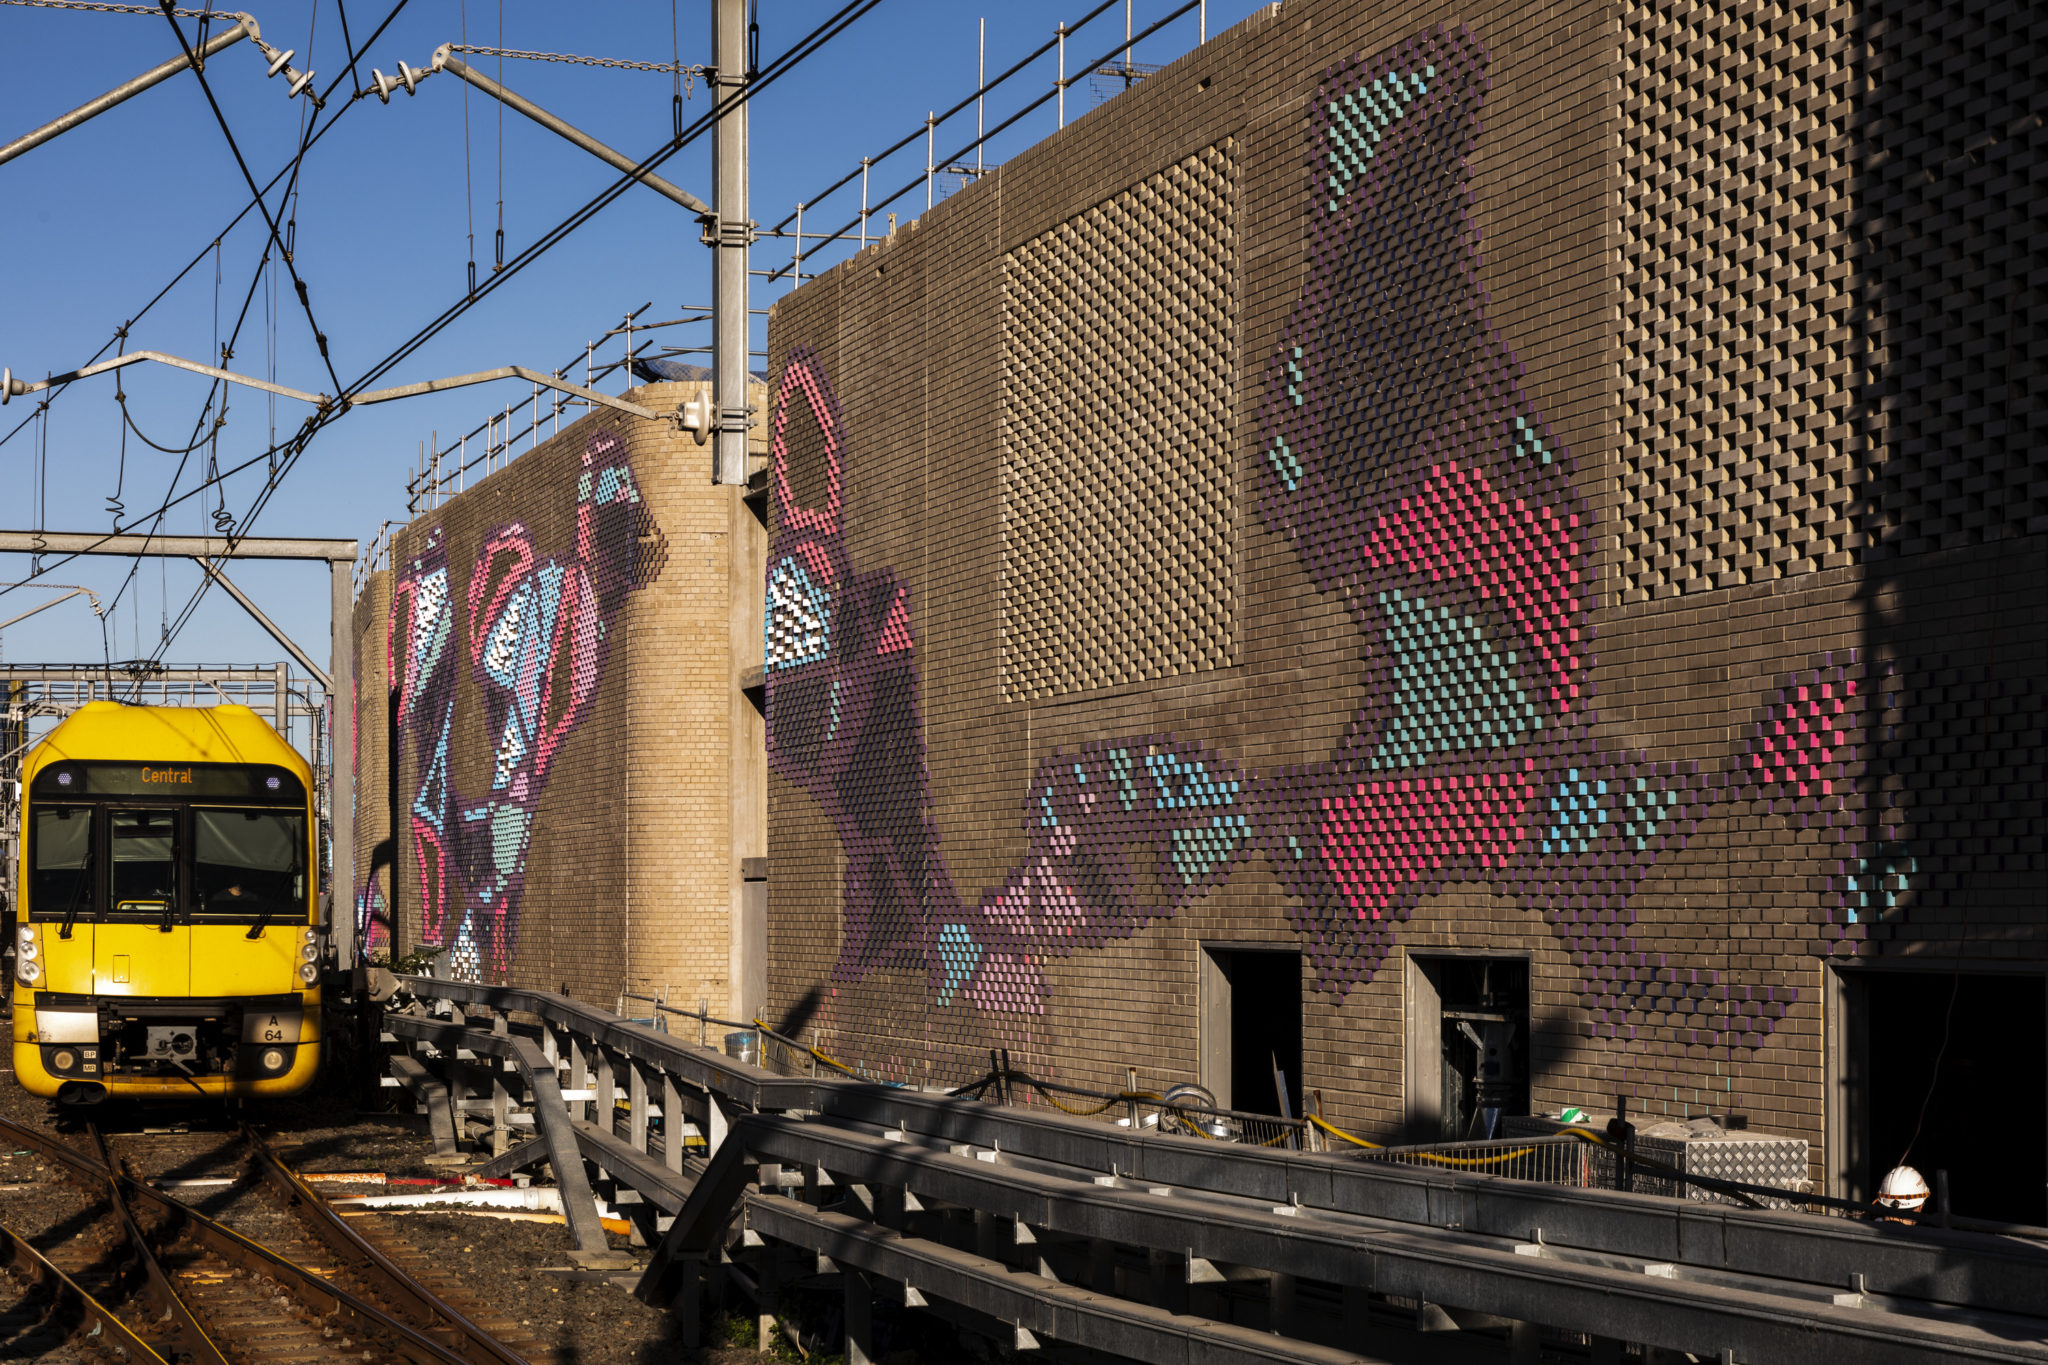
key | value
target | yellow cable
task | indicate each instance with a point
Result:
(1334, 1131)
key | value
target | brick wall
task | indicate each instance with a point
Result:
(566, 624)
(1631, 556)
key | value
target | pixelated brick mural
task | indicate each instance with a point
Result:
(553, 757)
(1576, 716)
(532, 629)
(1119, 382)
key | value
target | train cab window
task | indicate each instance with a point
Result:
(60, 878)
(248, 863)
(145, 860)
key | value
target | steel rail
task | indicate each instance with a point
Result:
(313, 1289)
(198, 1341)
(430, 1312)
(17, 1255)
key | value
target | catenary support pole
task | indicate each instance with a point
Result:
(729, 277)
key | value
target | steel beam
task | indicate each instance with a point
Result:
(618, 161)
(190, 675)
(214, 571)
(175, 547)
(1045, 1308)
(550, 1114)
(2000, 1274)
(127, 90)
(706, 1068)
(12, 388)
(1654, 1302)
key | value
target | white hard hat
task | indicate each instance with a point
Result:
(1902, 1188)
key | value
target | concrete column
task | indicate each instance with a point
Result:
(1280, 1304)
(1169, 1280)
(341, 800)
(671, 1123)
(860, 1319)
(747, 549)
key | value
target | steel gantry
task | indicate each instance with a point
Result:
(338, 678)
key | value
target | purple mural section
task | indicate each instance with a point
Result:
(534, 632)
(1399, 456)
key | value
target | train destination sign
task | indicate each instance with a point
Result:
(210, 781)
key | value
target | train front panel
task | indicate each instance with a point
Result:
(167, 943)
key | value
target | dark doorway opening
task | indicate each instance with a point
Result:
(1985, 1104)
(1472, 1031)
(1263, 988)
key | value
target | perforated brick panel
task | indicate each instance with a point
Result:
(1120, 329)
(1811, 194)
(1735, 314)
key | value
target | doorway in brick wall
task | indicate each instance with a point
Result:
(1948, 1071)
(1468, 1045)
(1251, 1027)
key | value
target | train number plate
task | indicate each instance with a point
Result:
(271, 1026)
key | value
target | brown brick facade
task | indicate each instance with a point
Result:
(571, 793)
(1635, 557)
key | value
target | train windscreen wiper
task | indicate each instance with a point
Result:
(262, 921)
(77, 895)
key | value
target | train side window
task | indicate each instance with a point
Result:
(248, 862)
(145, 862)
(60, 877)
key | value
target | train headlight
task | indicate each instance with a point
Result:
(63, 1059)
(309, 972)
(273, 1060)
(28, 950)
(308, 951)
(28, 971)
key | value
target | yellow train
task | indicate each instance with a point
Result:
(167, 941)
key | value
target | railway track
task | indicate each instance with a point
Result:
(142, 1276)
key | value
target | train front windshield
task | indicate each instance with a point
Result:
(201, 843)
(247, 860)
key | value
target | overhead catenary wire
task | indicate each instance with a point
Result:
(295, 446)
(290, 168)
(150, 11)
(172, 498)
(270, 222)
(681, 71)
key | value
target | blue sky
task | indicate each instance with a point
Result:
(97, 221)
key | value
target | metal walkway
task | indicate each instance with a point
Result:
(1039, 1229)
